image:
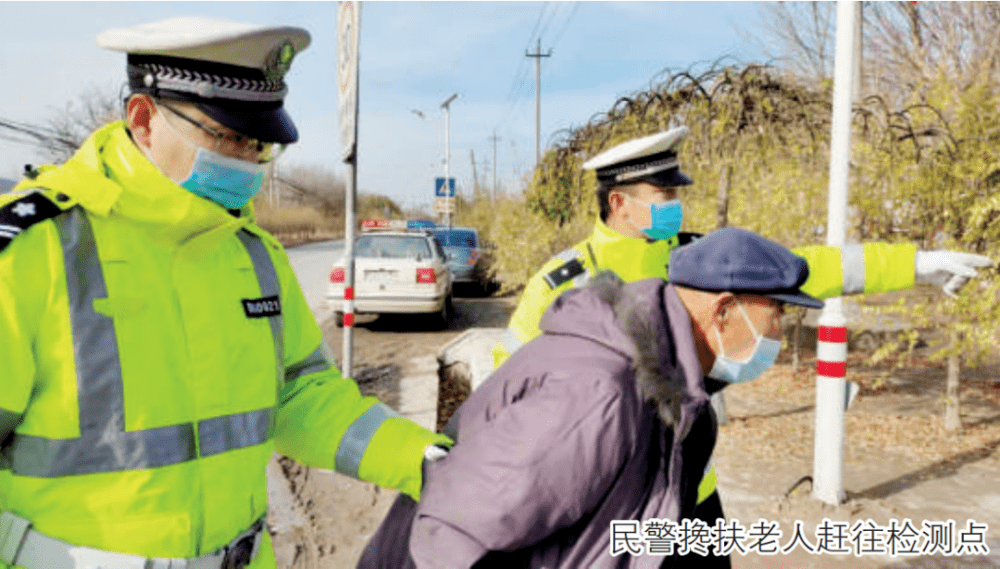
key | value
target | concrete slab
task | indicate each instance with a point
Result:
(469, 355)
(418, 391)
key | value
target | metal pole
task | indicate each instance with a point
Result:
(831, 352)
(858, 53)
(447, 164)
(538, 103)
(494, 193)
(538, 55)
(350, 208)
(277, 192)
(351, 183)
(447, 156)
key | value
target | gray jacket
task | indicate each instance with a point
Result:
(603, 417)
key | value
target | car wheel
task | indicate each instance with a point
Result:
(443, 316)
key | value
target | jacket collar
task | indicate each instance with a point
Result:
(646, 322)
(110, 176)
(630, 258)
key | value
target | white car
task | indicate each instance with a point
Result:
(396, 270)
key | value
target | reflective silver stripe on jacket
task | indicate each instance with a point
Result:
(852, 261)
(317, 361)
(510, 341)
(269, 286)
(104, 445)
(232, 432)
(570, 254)
(8, 420)
(355, 440)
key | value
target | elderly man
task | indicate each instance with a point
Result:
(156, 345)
(603, 418)
(639, 225)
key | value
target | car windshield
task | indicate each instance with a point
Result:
(457, 238)
(392, 247)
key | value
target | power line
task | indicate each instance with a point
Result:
(576, 6)
(520, 76)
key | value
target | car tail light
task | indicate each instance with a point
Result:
(337, 275)
(473, 257)
(426, 276)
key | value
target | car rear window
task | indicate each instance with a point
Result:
(392, 247)
(457, 238)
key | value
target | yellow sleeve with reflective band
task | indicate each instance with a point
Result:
(324, 421)
(857, 269)
(537, 296)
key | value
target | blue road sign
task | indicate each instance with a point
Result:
(439, 190)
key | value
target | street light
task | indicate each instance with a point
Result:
(446, 105)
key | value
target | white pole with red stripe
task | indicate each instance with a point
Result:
(831, 351)
(348, 43)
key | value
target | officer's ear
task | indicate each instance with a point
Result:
(616, 200)
(139, 112)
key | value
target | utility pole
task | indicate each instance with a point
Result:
(274, 185)
(475, 174)
(494, 138)
(446, 105)
(538, 55)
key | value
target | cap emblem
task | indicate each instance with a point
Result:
(279, 62)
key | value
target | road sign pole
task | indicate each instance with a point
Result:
(831, 351)
(348, 36)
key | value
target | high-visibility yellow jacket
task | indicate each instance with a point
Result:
(833, 271)
(156, 350)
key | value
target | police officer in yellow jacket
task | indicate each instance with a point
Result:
(156, 346)
(639, 225)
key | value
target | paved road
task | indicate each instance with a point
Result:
(311, 263)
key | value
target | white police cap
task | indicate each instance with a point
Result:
(233, 71)
(651, 158)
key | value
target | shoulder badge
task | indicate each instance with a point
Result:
(683, 238)
(24, 212)
(564, 273)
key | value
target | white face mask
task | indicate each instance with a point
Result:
(764, 354)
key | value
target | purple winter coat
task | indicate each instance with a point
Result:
(603, 417)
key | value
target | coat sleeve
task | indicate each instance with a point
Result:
(25, 274)
(538, 465)
(857, 269)
(322, 418)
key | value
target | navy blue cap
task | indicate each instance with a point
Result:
(740, 261)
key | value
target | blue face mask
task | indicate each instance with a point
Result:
(765, 353)
(228, 181)
(664, 219)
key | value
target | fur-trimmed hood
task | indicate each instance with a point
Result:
(646, 322)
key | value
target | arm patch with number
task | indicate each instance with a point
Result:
(564, 273)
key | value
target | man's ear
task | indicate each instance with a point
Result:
(139, 112)
(722, 308)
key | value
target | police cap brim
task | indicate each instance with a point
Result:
(265, 122)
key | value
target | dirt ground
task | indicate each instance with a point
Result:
(898, 461)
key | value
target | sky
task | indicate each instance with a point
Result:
(413, 56)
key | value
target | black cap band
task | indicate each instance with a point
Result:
(196, 80)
